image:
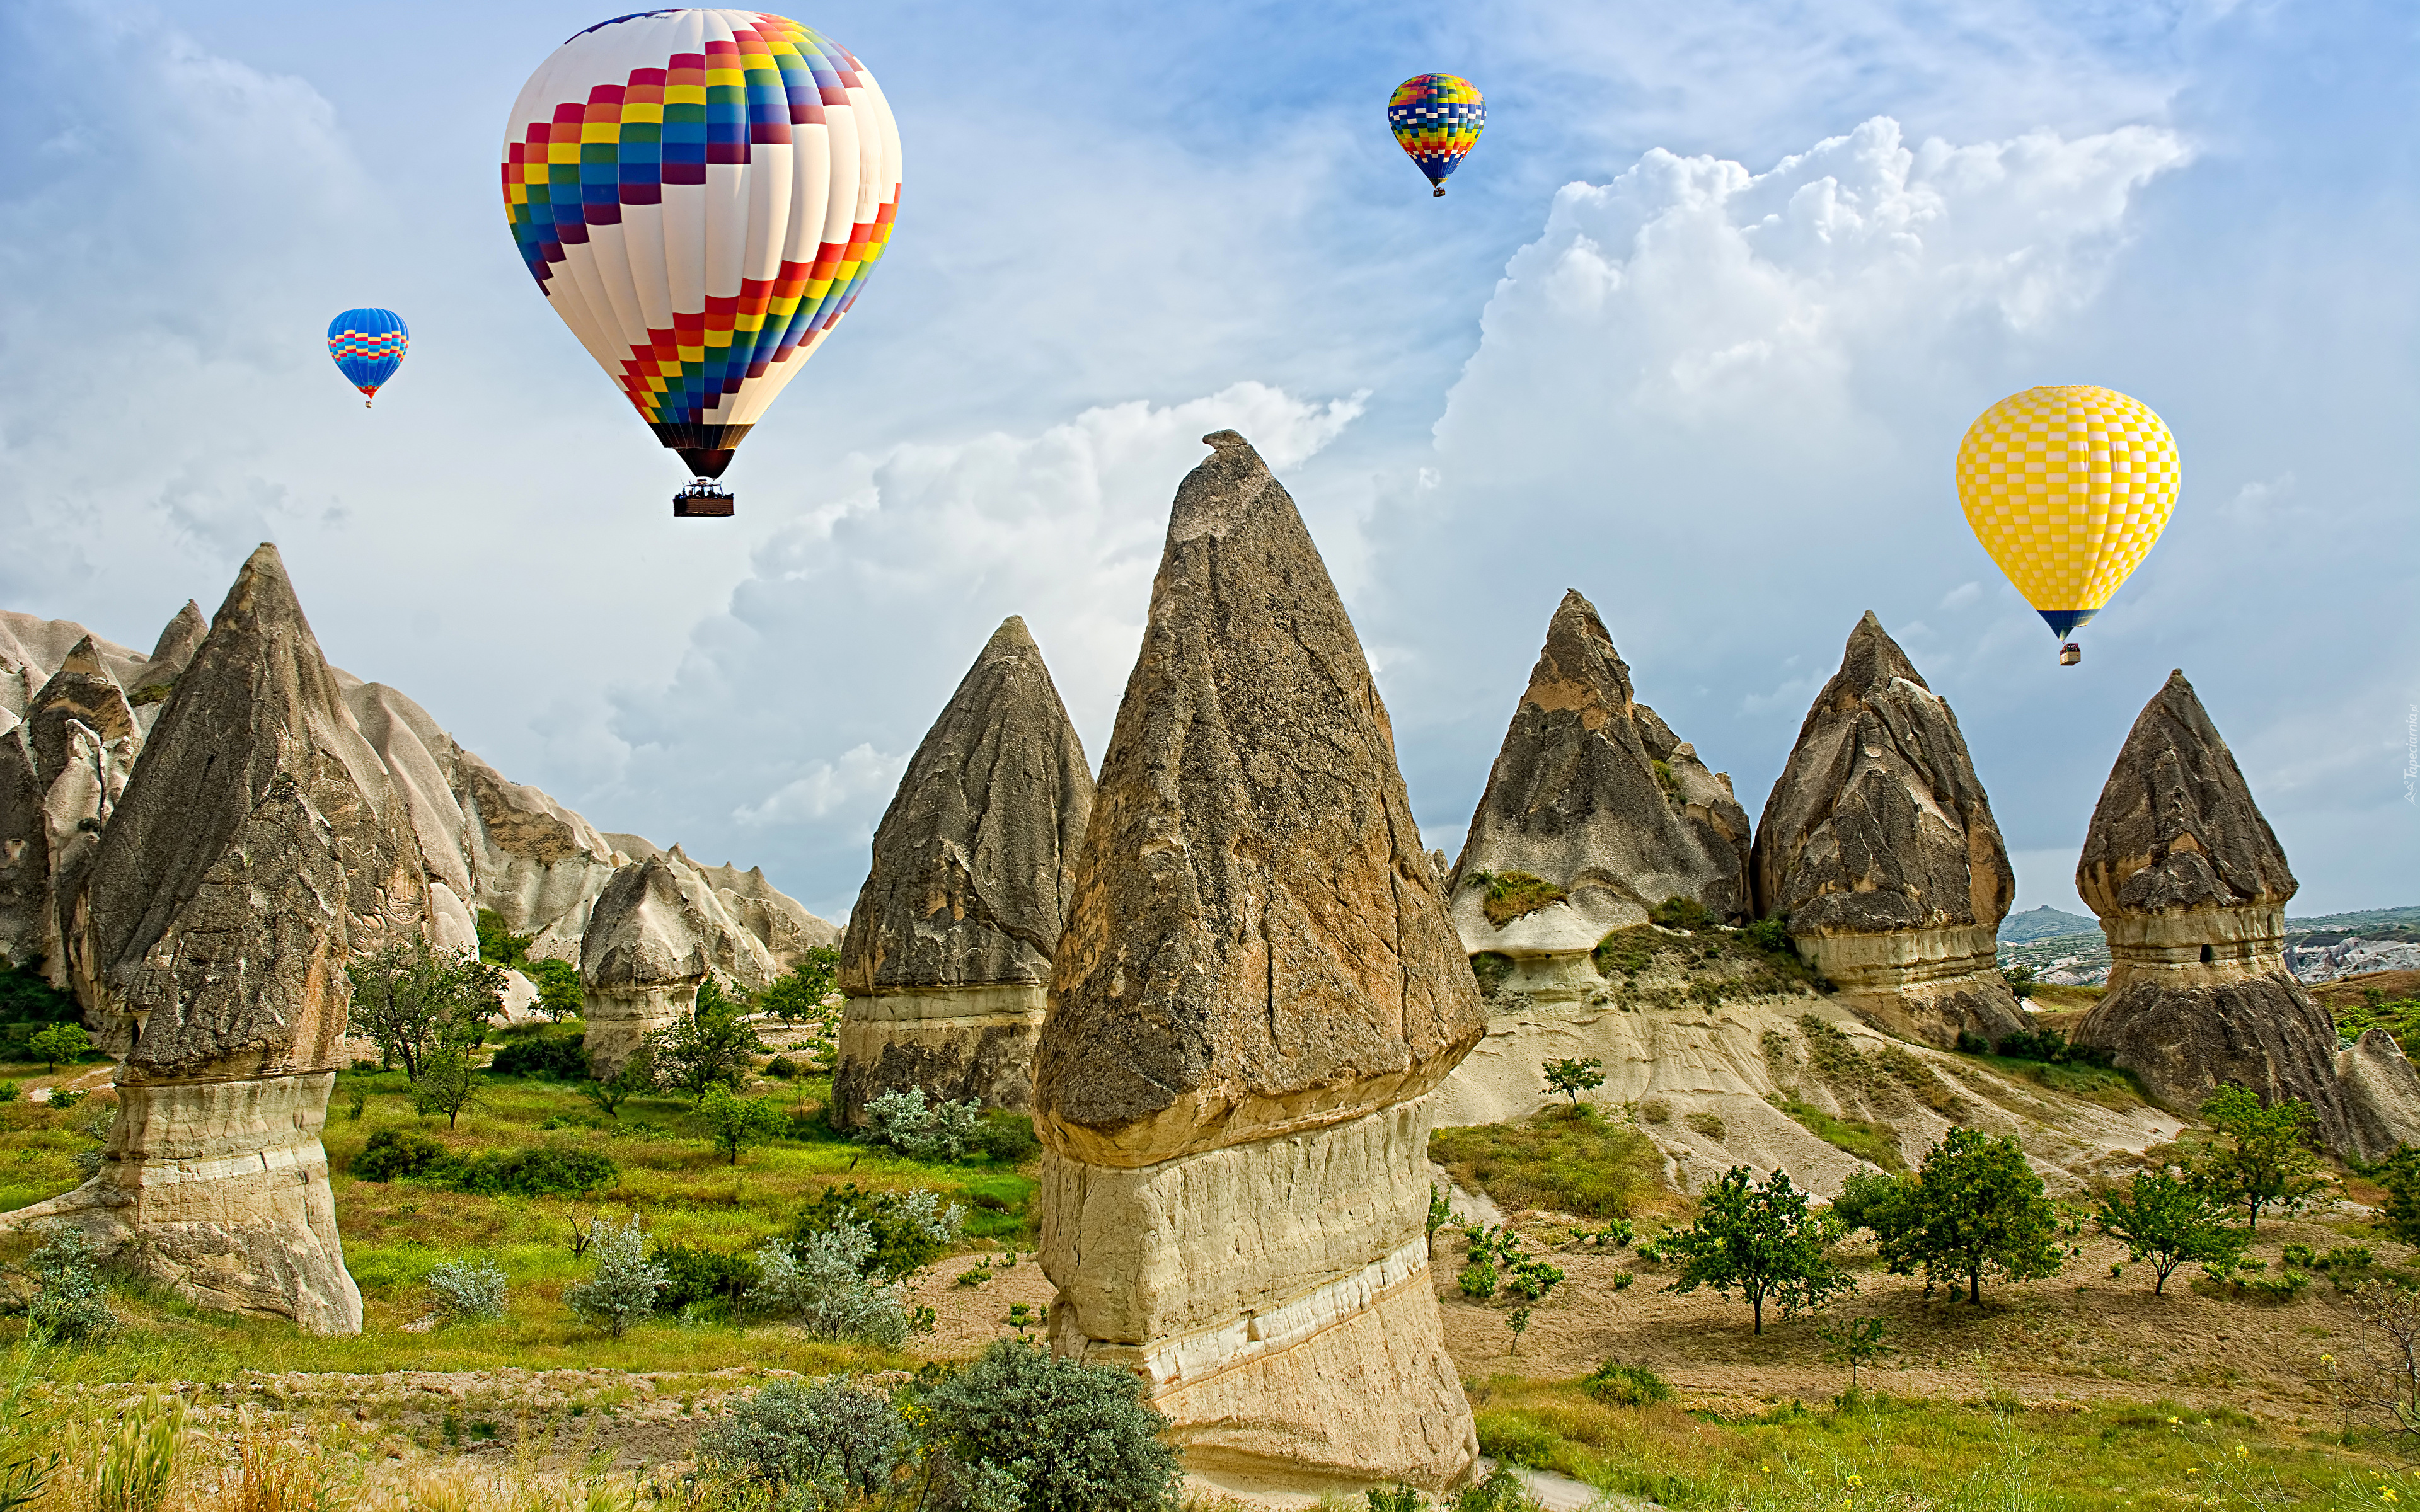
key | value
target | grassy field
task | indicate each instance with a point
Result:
(684, 1190)
(1566, 1159)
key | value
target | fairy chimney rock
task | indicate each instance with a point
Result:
(1879, 846)
(2191, 885)
(257, 846)
(179, 640)
(947, 958)
(1257, 986)
(655, 934)
(1595, 796)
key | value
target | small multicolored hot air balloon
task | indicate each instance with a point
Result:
(700, 195)
(368, 346)
(1437, 118)
(2068, 487)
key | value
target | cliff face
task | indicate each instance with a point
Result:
(951, 942)
(1594, 794)
(1879, 846)
(1257, 985)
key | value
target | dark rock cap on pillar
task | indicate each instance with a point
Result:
(2191, 885)
(949, 947)
(1878, 844)
(1257, 942)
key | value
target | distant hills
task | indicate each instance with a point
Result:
(2044, 924)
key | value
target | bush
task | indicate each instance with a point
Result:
(394, 1152)
(547, 1171)
(68, 1302)
(2050, 1047)
(908, 1228)
(1069, 1437)
(1771, 936)
(1005, 1138)
(549, 1058)
(821, 1281)
(901, 1120)
(1627, 1385)
(712, 1045)
(560, 995)
(1477, 1281)
(1863, 1195)
(8, 1091)
(829, 1444)
(469, 1289)
(497, 944)
(1684, 914)
(623, 1289)
(706, 1279)
(782, 1069)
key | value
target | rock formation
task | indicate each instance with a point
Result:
(172, 654)
(947, 952)
(1257, 987)
(656, 932)
(1594, 795)
(257, 845)
(780, 922)
(1880, 846)
(2191, 885)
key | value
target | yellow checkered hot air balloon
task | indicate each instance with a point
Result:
(2067, 486)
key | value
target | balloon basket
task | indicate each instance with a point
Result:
(1438, 193)
(703, 500)
(2070, 654)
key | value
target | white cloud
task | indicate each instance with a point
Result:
(1961, 595)
(858, 771)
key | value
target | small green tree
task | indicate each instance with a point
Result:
(1518, 1321)
(1856, 1342)
(1764, 1241)
(1573, 1077)
(1975, 1205)
(68, 1302)
(414, 1000)
(638, 1074)
(2021, 979)
(2269, 1160)
(710, 1046)
(798, 995)
(448, 1084)
(560, 995)
(738, 1122)
(623, 1289)
(497, 944)
(2169, 1219)
(59, 1045)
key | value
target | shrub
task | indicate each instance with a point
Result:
(698, 1277)
(63, 1098)
(1005, 1138)
(68, 1302)
(547, 1171)
(1863, 1197)
(1684, 914)
(1655, 1110)
(908, 1228)
(1508, 895)
(782, 1069)
(393, 1152)
(736, 1122)
(901, 1120)
(8, 1091)
(469, 1288)
(623, 1289)
(1573, 1077)
(1511, 1440)
(1771, 936)
(830, 1444)
(1068, 1437)
(1627, 1385)
(820, 1280)
(712, 1045)
(1477, 1281)
(560, 994)
(1503, 1492)
(1709, 1124)
(559, 1057)
(497, 944)
(1489, 968)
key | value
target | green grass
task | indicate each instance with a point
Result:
(1868, 1141)
(1560, 1159)
(1917, 1453)
(682, 1188)
(2104, 1084)
(1512, 894)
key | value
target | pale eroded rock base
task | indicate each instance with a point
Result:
(960, 1044)
(1929, 985)
(219, 1189)
(619, 1019)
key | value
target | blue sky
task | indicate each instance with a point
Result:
(1695, 331)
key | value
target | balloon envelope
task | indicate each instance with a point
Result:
(368, 346)
(699, 194)
(2068, 487)
(1437, 119)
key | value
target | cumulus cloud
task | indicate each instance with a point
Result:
(793, 712)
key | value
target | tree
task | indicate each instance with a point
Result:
(2270, 1158)
(1072, 1437)
(638, 1074)
(414, 1000)
(738, 1122)
(2169, 1219)
(1975, 1205)
(497, 944)
(560, 995)
(1573, 1077)
(60, 1043)
(2401, 1174)
(798, 995)
(2021, 979)
(708, 1047)
(1764, 1241)
(623, 1289)
(1855, 1342)
(448, 1084)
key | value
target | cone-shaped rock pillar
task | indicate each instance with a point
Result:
(1257, 985)
(947, 958)
(1597, 795)
(2191, 885)
(656, 932)
(258, 845)
(1880, 846)
(179, 640)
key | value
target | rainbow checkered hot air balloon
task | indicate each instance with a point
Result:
(368, 346)
(2068, 487)
(700, 195)
(1437, 119)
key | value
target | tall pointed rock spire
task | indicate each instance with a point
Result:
(947, 952)
(1257, 985)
